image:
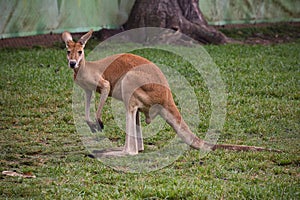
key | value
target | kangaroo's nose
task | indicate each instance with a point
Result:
(72, 64)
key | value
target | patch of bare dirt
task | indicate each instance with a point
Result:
(46, 40)
(263, 33)
(246, 33)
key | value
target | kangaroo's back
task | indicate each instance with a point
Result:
(124, 63)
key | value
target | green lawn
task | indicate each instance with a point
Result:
(38, 134)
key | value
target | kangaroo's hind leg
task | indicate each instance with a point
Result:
(131, 139)
(140, 142)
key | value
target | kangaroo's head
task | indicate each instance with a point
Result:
(75, 50)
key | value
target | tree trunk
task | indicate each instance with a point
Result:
(182, 15)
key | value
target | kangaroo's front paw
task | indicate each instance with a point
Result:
(93, 126)
(100, 125)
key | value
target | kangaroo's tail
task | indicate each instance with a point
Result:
(173, 117)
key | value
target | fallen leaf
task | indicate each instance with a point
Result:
(25, 175)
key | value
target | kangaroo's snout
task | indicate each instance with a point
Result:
(72, 64)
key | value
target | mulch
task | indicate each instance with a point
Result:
(45, 40)
(51, 39)
(289, 35)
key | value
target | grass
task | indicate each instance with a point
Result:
(38, 134)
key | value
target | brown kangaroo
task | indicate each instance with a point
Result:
(142, 87)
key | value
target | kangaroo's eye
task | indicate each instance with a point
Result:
(79, 52)
(68, 52)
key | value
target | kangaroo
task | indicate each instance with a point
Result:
(142, 87)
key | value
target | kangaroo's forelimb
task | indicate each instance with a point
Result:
(98, 125)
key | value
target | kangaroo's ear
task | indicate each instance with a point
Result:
(83, 40)
(66, 36)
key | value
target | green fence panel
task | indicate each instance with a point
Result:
(220, 12)
(31, 17)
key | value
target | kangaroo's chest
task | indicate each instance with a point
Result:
(86, 80)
